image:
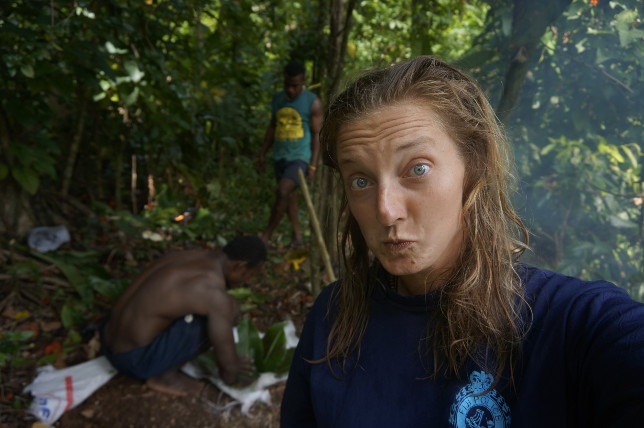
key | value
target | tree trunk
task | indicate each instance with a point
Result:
(75, 147)
(340, 16)
(119, 167)
(529, 21)
(16, 213)
(327, 196)
(421, 41)
(133, 186)
(340, 26)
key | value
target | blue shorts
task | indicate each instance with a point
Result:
(288, 169)
(177, 344)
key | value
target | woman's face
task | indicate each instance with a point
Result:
(403, 177)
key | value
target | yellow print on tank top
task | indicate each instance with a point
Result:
(288, 124)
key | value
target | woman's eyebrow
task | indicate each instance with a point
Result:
(347, 159)
(416, 142)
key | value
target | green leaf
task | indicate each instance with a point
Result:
(27, 178)
(131, 97)
(113, 49)
(621, 223)
(8, 340)
(206, 361)
(241, 293)
(547, 149)
(73, 338)
(629, 153)
(10, 345)
(611, 150)
(249, 343)
(69, 316)
(48, 359)
(70, 271)
(626, 28)
(286, 362)
(133, 71)
(27, 70)
(110, 288)
(274, 348)
(4, 171)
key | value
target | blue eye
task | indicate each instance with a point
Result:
(420, 169)
(359, 183)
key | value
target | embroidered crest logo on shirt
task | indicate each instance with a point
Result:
(473, 409)
(288, 124)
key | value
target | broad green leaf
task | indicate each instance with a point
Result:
(621, 223)
(114, 50)
(631, 156)
(27, 70)
(547, 149)
(133, 71)
(71, 272)
(274, 348)
(248, 341)
(613, 151)
(69, 316)
(626, 27)
(131, 97)
(286, 362)
(110, 288)
(207, 362)
(27, 178)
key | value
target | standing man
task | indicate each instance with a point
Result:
(296, 120)
(178, 307)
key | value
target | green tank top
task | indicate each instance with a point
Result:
(292, 139)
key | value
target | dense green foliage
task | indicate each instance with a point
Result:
(95, 96)
(577, 132)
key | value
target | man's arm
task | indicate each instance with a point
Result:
(207, 296)
(221, 318)
(269, 137)
(317, 116)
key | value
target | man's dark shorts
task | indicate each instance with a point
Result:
(288, 169)
(180, 342)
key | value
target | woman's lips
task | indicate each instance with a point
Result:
(398, 245)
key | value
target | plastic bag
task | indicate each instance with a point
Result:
(43, 239)
(56, 391)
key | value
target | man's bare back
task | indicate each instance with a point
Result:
(180, 286)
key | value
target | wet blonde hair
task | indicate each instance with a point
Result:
(482, 299)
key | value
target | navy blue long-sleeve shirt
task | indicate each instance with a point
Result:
(582, 365)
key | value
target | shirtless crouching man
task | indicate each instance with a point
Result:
(175, 309)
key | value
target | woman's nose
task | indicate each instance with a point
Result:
(391, 207)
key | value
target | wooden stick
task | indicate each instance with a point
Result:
(133, 179)
(316, 227)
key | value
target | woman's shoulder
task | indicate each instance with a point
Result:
(554, 294)
(545, 283)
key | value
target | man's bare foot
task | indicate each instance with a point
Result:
(175, 383)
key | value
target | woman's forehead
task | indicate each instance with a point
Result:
(400, 120)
